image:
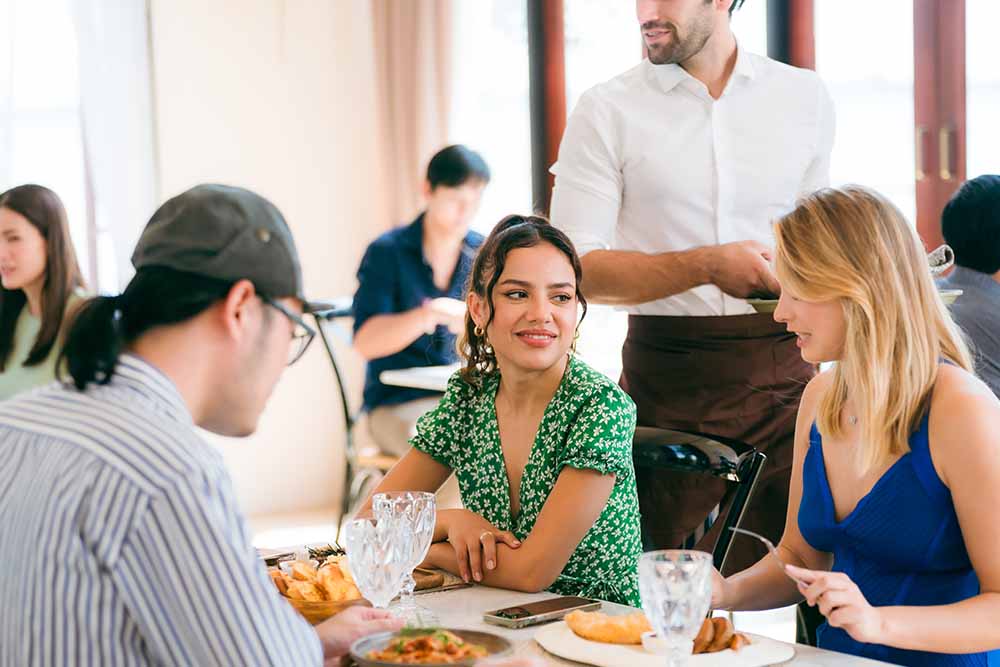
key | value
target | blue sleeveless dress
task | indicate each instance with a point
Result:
(901, 545)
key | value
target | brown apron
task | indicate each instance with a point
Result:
(738, 376)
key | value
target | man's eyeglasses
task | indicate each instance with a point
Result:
(302, 334)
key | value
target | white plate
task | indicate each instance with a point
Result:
(559, 640)
(769, 305)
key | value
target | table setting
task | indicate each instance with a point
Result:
(446, 619)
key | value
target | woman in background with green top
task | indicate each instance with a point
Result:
(41, 282)
(540, 442)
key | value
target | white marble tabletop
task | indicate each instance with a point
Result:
(434, 378)
(463, 608)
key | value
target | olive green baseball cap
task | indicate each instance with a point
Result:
(224, 232)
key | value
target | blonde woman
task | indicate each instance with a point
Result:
(891, 530)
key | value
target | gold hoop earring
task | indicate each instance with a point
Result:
(478, 331)
(572, 346)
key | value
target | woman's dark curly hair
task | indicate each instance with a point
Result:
(514, 231)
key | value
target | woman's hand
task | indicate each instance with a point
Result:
(474, 540)
(840, 600)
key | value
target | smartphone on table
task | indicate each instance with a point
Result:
(543, 611)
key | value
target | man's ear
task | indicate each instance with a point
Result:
(237, 308)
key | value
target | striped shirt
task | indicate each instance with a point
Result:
(120, 540)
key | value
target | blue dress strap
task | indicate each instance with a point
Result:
(923, 464)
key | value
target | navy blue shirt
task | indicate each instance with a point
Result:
(395, 277)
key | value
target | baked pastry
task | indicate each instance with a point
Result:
(718, 634)
(599, 627)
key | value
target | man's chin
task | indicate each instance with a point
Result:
(662, 55)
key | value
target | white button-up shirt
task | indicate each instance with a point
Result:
(650, 162)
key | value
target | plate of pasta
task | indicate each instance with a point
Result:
(433, 647)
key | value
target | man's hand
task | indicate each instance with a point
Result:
(338, 633)
(742, 269)
(445, 311)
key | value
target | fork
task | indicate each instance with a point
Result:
(770, 548)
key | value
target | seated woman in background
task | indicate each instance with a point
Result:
(41, 283)
(540, 442)
(897, 465)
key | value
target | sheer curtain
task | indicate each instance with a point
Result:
(40, 138)
(118, 126)
(413, 56)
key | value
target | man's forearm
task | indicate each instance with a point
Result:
(625, 278)
(383, 335)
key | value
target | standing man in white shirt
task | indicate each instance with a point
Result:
(668, 178)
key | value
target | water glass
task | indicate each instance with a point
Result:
(415, 512)
(676, 590)
(377, 554)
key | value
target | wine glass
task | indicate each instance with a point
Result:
(415, 512)
(377, 557)
(676, 590)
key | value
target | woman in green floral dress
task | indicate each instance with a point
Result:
(540, 442)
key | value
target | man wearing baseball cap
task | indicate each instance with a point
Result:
(120, 538)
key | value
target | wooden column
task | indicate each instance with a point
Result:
(939, 109)
(791, 34)
(547, 61)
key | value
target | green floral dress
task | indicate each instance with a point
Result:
(588, 425)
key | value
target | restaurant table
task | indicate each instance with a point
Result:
(464, 607)
(433, 378)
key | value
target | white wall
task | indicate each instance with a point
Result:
(278, 96)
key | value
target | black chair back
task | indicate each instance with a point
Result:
(698, 453)
(328, 311)
(325, 312)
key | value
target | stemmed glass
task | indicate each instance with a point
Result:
(376, 556)
(415, 512)
(676, 590)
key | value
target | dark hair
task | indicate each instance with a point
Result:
(971, 224)
(46, 213)
(104, 325)
(456, 165)
(514, 231)
(736, 5)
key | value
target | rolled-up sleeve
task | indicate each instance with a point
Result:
(817, 176)
(589, 181)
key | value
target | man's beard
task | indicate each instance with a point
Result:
(680, 48)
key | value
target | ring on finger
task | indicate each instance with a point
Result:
(484, 534)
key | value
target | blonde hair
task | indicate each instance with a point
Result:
(852, 245)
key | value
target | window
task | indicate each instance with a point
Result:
(602, 41)
(40, 140)
(750, 26)
(982, 77)
(490, 107)
(873, 96)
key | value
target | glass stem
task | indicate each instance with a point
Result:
(678, 657)
(406, 594)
